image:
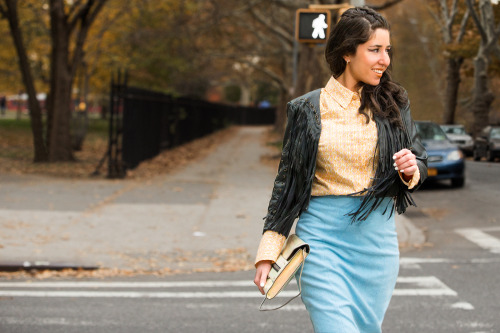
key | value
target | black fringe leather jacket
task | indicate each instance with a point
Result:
(293, 183)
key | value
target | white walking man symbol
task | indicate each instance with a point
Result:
(319, 25)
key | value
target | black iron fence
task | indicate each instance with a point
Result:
(144, 122)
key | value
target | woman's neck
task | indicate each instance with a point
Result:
(349, 82)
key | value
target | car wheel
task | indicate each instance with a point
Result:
(476, 155)
(457, 182)
(489, 156)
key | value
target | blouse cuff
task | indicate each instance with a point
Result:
(270, 246)
(413, 181)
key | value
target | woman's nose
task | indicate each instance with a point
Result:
(385, 59)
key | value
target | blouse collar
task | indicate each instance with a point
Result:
(340, 93)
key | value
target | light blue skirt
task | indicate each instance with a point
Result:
(350, 274)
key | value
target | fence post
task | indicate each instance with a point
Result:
(115, 163)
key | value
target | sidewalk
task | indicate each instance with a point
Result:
(205, 217)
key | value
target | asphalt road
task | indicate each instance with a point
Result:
(449, 285)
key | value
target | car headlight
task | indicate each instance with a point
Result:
(455, 155)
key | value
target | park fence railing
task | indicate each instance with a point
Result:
(143, 123)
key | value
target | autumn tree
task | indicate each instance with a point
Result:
(69, 23)
(489, 32)
(452, 21)
(259, 37)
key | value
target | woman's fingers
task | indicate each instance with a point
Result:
(263, 279)
(263, 269)
(405, 161)
(401, 153)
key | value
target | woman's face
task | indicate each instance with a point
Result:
(371, 59)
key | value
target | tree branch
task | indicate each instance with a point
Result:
(76, 4)
(276, 30)
(81, 14)
(444, 12)
(463, 25)
(87, 21)
(387, 4)
(477, 21)
(273, 76)
(288, 5)
(3, 11)
(451, 18)
(493, 43)
(436, 18)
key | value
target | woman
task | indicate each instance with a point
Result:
(350, 157)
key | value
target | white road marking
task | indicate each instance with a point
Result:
(294, 307)
(481, 239)
(462, 305)
(130, 284)
(426, 286)
(51, 321)
(491, 229)
(417, 286)
(414, 263)
(137, 294)
(411, 260)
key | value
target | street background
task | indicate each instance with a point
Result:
(177, 251)
(160, 96)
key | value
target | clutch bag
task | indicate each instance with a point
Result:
(291, 259)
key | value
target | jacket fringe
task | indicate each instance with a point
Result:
(386, 177)
(300, 145)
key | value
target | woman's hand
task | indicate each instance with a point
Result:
(405, 162)
(263, 269)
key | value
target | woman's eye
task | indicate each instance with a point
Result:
(374, 50)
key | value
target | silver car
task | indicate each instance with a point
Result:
(457, 135)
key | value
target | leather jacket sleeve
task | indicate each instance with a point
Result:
(292, 186)
(279, 182)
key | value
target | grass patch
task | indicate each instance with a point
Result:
(16, 150)
(15, 125)
(16, 153)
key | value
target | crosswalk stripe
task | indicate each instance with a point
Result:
(481, 239)
(129, 284)
(190, 295)
(418, 286)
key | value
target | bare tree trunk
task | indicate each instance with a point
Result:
(40, 153)
(311, 72)
(59, 136)
(452, 84)
(482, 96)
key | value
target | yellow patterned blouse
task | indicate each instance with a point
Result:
(346, 154)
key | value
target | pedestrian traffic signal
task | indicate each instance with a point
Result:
(312, 25)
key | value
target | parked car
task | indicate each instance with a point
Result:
(458, 135)
(445, 159)
(487, 144)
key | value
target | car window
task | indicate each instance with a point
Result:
(430, 131)
(457, 130)
(495, 133)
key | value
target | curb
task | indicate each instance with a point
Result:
(408, 233)
(42, 265)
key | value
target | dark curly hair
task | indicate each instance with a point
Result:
(356, 26)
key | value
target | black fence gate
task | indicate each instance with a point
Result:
(143, 123)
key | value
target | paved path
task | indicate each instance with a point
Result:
(207, 216)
